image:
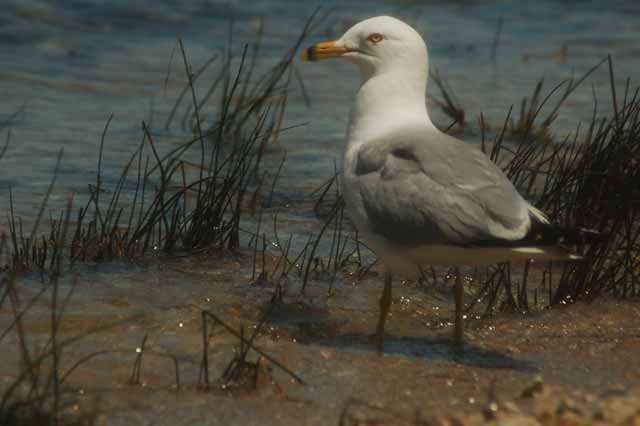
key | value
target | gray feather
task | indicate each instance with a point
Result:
(434, 191)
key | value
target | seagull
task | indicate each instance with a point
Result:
(415, 194)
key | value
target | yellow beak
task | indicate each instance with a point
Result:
(325, 50)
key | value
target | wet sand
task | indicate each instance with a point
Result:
(583, 352)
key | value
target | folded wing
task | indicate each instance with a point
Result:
(422, 187)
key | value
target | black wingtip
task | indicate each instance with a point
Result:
(582, 236)
(579, 236)
(549, 235)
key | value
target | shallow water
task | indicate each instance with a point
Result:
(65, 66)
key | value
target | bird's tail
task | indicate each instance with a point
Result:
(559, 240)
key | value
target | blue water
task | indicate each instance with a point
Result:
(65, 66)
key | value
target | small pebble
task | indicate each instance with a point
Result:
(535, 388)
(567, 405)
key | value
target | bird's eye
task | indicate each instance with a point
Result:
(375, 38)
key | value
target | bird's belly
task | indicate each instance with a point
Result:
(406, 261)
(450, 255)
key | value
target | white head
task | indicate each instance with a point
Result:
(393, 61)
(377, 45)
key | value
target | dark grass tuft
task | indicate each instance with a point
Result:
(589, 180)
(450, 104)
(174, 208)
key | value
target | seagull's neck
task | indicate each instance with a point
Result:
(387, 100)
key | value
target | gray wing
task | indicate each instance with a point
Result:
(422, 187)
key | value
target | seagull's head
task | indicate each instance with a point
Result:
(376, 45)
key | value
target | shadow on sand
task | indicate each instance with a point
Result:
(436, 349)
(310, 325)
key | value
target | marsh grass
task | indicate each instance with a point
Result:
(326, 254)
(5, 145)
(38, 394)
(177, 206)
(240, 371)
(604, 179)
(450, 104)
(587, 181)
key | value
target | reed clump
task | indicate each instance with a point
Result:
(176, 205)
(589, 180)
